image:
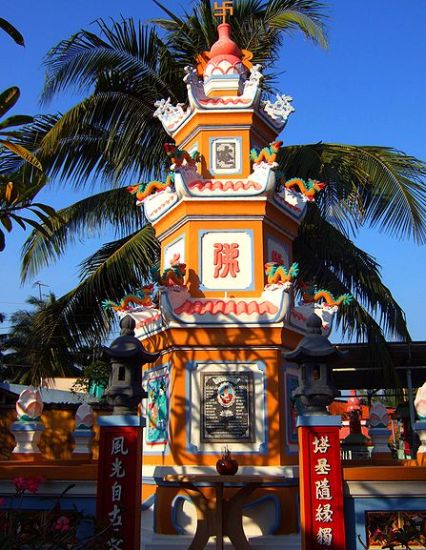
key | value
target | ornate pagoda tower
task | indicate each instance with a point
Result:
(222, 325)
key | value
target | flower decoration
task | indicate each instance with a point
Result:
(420, 402)
(62, 524)
(29, 405)
(84, 417)
(30, 484)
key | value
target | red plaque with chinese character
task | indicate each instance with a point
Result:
(119, 485)
(321, 485)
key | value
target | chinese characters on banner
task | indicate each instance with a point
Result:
(321, 488)
(119, 485)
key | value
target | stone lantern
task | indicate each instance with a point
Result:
(314, 354)
(126, 355)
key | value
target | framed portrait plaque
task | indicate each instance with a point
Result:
(227, 407)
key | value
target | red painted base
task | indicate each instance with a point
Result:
(321, 484)
(119, 484)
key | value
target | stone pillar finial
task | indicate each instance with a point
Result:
(126, 355)
(314, 355)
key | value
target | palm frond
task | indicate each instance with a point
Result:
(257, 26)
(117, 268)
(354, 268)
(87, 216)
(45, 357)
(12, 31)
(366, 185)
(129, 49)
(374, 314)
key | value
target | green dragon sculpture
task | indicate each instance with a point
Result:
(278, 274)
(141, 297)
(267, 154)
(173, 275)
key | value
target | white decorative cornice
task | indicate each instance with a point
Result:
(171, 116)
(280, 110)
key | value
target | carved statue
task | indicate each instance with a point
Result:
(178, 156)
(309, 188)
(173, 275)
(280, 110)
(311, 295)
(278, 274)
(143, 190)
(254, 79)
(267, 154)
(141, 298)
(166, 111)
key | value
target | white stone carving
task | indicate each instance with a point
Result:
(84, 417)
(198, 98)
(29, 405)
(158, 204)
(254, 79)
(292, 202)
(420, 402)
(194, 85)
(27, 430)
(171, 116)
(180, 308)
(260, 182)
(280, 110)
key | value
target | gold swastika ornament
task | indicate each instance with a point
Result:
(223, 10)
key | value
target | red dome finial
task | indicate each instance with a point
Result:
(225, 45)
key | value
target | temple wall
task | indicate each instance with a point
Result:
(380, 496)
(56, 442)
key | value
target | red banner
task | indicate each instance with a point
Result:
(119, 485)
(321, 488)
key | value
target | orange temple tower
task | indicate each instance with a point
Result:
(226, 220)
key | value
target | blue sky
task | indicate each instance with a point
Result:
(367, 88)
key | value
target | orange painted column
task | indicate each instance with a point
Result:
(321, 483)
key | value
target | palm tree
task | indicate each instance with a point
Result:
(19, 187)
(28, 357)
(112, 135)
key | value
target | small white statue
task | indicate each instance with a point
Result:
(29, 405)
(84, 417)
(420, 402)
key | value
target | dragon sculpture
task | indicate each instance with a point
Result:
(143, 190)
(311, 295)
(178, 156)
(309, 188)
(141, 298)
(278, 274)
(267, 154)
(173, 275)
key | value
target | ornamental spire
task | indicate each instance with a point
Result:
(223, 10)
